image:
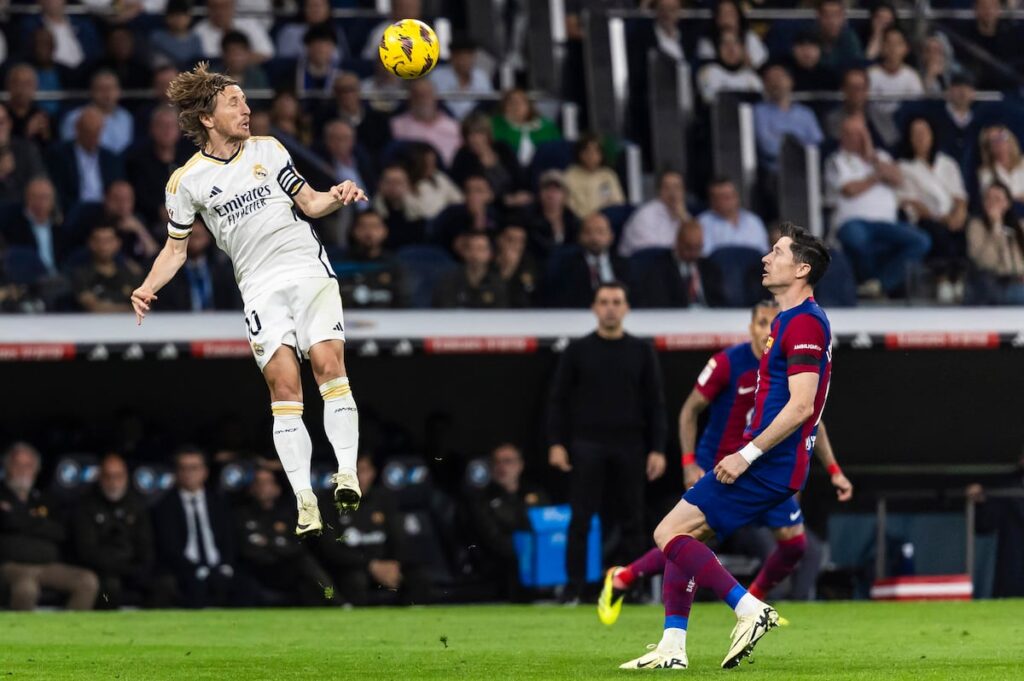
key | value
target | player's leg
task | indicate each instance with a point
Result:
(786, 522)
(618, 580)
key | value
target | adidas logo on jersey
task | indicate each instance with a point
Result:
(338, 327)
(216, 190)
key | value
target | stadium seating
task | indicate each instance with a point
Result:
(425, 266)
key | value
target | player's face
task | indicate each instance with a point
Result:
(780, 268)
(231, 114)
(761, 326)
(610, 307)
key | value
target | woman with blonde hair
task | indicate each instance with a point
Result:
(1001, 160)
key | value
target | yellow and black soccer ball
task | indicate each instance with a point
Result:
(409, 49)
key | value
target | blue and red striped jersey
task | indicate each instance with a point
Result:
(801, 341)
(728, 382)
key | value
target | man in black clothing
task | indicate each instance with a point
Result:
(1004, 515)
(31, 532)
(576, 282)
(106, 282)
(476, 284)
(958, 121)
(607, 424)
(113, 537)
(498, 512)
(271, 555)
(363, 551)
(989, 33)
(372, 277)
(809, 74)
(679, 277)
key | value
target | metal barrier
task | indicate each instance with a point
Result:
(605, 63)
(545, 49)
(799, 191)
(670, 107)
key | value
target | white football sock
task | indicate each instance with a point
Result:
(341, 422)
(673, 639)
(748, 605)
(291, 440)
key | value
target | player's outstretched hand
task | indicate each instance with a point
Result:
(691, 474)
(844, 488)
(142, 298)
(347, 192)
(730, 468)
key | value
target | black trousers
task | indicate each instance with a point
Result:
(595, 465)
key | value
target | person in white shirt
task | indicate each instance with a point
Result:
(69, 50)
(461, 76)
(726, 223)
(118, 124)
(933, 197)
(862, 183)
(654, 224)
(730, 72)
(892, 76)
(728, 15)
(1001, 160)
(220, 19)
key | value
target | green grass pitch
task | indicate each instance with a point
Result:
(919, 641)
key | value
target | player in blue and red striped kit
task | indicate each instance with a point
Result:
(726, 386)
(792, 385)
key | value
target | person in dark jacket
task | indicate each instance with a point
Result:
(606, 422)
(80, 168)
(207, 280)
(31, 533)
(372, 277)
(271, 555)
(1004, 515)
(593, 266)
(476, 284)
(679, 277)
(113, 537)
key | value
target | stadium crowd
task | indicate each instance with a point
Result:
(477, 199)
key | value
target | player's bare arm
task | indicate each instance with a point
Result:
(823, 450)
(318, 204)
(168, 261)
(802, 389)
(694, 405)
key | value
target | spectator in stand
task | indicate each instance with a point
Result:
(50, 76)
(592, 185)
(31, 534)
(516, 267)
(933, 197)
(679, 277)
(118, 211)
(476, 214)
(872, 35)
(124, 60)
(855, 103)
(220, 18)
(727, 17)
(726, 223)
(291, 37)
(118, 125)
(29, 120)
(346, 158)
(778, 116)
(400, 9)
(475, 285)
(149, 166)
(426, 122)
(175, 42)
(957, 127)
(730, 72)
(1004, 515)
(840, 47)
(383, 89)
(38, 226)
(20, 161)
(287, 116)
(317, 67)
(655, 223)
(995, 245)
(373, 277)
(461, 76)
(269, 553)
(481, 155)
(519, 125)
(498, 512)
(432, 189)
(206, 281)
(998, 40)
(195, 535)
(106, 282)
(862, 182)
(891, 77)
(75, 37)
(392, 203)
(373, 129)
(114, 538)
(159, 82)
(809, 74)
(665, 34)
(93, 169)
(1001, 161)
(550, 221)
(594, 266)
(935, 64)
(237, 62)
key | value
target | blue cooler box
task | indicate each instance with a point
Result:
(541, 552)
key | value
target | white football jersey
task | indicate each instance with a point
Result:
(246, 203)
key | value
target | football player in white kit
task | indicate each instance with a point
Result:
(246, 190)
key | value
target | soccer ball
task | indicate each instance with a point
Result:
(409, 49)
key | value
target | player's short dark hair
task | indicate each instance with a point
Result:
(767, 303)
(616, 285)
(808, 250)
(234, 38)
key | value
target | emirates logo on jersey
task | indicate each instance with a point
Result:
(259, 172)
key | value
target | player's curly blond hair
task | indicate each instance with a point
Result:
(194, 94)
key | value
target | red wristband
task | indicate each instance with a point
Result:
(834, 469)
(689, 459)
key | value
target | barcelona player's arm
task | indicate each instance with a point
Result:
(827, 457)
(694, 405)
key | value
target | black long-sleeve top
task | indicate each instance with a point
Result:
(608, 391)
